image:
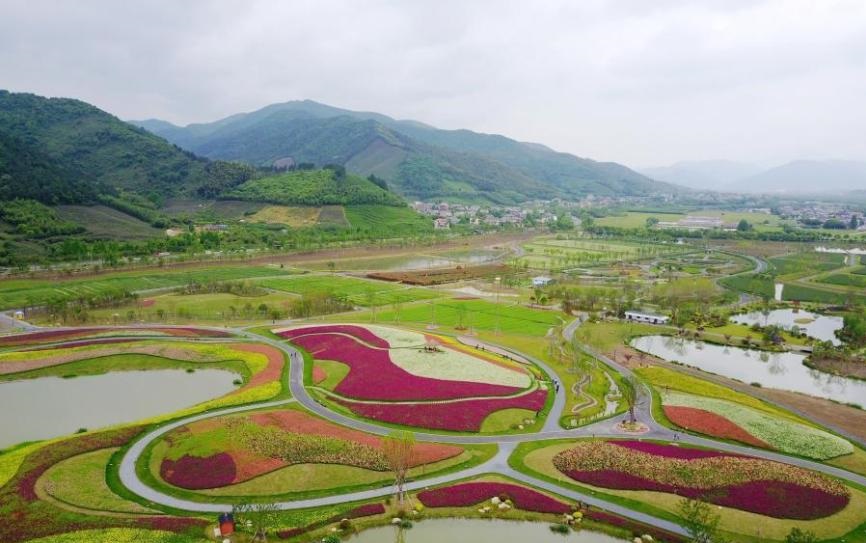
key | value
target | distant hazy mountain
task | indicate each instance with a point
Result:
(418, 160)
(807, 176)
(703, 174)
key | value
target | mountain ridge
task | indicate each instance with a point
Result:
(418, 159)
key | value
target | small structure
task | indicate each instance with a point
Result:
(19, 314)
(646, 317)
(541, 281)
(441, 223)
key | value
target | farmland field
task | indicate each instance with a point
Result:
(292, 216)
(558, 254)
(105, 222)
(357, 291)
(29, 292)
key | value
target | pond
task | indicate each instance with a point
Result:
(820, 327)
(476, 531)
(34, 409)
(773, 370)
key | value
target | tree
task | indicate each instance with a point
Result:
(699, 521)
(744, 226)
(399, 451)
(651, 222)
(797, 535)
(853, 331)
(629, 391)
(260, 517)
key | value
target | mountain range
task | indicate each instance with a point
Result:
(418, 160)
(796, 177)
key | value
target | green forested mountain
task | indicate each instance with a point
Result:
(59, 150)
(330, 186)
(417, 159)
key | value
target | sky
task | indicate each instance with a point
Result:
(642, 82)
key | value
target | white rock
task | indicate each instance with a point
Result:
(647, 537)
(637, 540)
(495, 500)
(396, 520)
(504, 506)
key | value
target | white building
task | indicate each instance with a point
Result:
(541, 281)
(646, 317)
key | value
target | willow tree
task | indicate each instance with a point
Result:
(399, 451)
(629, 391)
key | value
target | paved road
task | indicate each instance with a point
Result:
(498, 464)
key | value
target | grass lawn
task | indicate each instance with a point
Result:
(507, 420)
(80, 481)
(358, 291)
(607, 336)
(335, 372)
(636, 219)
(480, 315)
(16, 293)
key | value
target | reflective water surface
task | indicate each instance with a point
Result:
(34, 409)
(476, 531)
(814, 325)
(773, 370)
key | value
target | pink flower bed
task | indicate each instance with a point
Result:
(373, 376)
(776, 499)
(460, 416)
(670, 451)
(466, 494)
(195, 473)
(359, 332)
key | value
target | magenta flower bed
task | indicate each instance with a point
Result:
(466, 494)
(670, 451)
(373, 376)
(636, 528)
(771, 498)
(460, 416)
(195, 473)
(356, 331)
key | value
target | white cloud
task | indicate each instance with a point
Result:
(633, 81)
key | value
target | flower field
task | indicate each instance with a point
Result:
(373, 375)
(740, 482)
(228, 450)
(467, 494)
(457, 416)
(722, 418)
(49, 336)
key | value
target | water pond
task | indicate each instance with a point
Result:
(34, 409)
(476, 531)
(820, 327)
(773, 370)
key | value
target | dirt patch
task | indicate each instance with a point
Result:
(441, 275)
(857, 370)
(319, 374)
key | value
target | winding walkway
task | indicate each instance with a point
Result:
(498, 464)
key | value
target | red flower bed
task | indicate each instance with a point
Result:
(466, 494)
(359, 332)
(197, 473)
(670, 451)
(272, 372)
(771, 498)
(460, 416)
(711, 424)
(373, 376)
(319, 375)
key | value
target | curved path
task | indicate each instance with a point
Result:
(498, 464)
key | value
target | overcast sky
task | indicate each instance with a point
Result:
(643, 82)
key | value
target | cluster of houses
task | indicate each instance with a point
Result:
(445, 214)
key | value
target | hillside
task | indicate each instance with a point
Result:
(59, 150)
(417, 159)
(807, 176)
(703, 174)
(315, 188)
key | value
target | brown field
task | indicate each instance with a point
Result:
(442, 275)
(292, 216)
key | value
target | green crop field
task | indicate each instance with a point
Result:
(30, 292)
(357, 291)
(476, 314)
(394, 220)
(845, 279)
(558, 254)
(637, 219)
(105, 222)
(807, 263)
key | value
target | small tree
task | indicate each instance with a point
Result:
(699, 521)
(399, 451)
(630, 395)
(261, 518)
(797, 535)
